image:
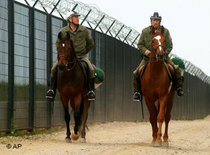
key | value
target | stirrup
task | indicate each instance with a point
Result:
(136, 96)
(91, 96)
(180, 92)
(50, 94)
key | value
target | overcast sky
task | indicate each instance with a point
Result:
(187, 20)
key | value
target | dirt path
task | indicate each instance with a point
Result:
(185, 137)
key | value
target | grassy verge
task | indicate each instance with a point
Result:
(37, 131)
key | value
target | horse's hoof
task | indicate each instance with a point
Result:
(68, 140)
(83, 140)
(165, 144)
(156, 144)
(75, 136)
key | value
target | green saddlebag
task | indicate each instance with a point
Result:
(99, 75)
(179, 62)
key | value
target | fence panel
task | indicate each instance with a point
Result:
(3, 65)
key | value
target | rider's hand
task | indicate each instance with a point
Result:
(147, 52)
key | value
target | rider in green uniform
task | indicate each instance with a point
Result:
(83, 43)
(144, 46)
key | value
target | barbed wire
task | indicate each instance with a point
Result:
(106, 24)
(96, 19)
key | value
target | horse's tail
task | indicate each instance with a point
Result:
(82, 106)
(157, 106)
(82, 115)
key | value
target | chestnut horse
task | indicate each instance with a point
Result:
(72, 86)
(158, 90)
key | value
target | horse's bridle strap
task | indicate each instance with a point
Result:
(62, 56)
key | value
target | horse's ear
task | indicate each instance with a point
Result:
(68, 35)
(59, 35)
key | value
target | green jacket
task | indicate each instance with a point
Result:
(82, 40)
(145, 40)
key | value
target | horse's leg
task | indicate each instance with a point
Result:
(83, 133)
(168, 117)
(84, 117)
(153, 118)
(77, 100)
(160, 119)
(67, 117)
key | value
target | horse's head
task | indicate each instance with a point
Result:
(158, 44)
(64, 50)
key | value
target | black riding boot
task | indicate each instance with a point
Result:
(136, 96)
(179, 82)
(91, 93)
(53, 85)
(137, 89)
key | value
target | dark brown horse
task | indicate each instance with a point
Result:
(72, 86)
(158, 90)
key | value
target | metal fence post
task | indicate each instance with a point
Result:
(65, 23)
(93, 52)
(31, 66)
(10, 64)
(49, 63)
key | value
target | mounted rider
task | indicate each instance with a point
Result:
(83, 43)
(144, 46)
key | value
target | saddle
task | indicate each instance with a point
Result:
(99, 73)
(86, 71)
(99, 76)
(169, 67)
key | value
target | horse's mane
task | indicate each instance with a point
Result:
(155, 31)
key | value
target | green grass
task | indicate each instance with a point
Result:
(3, 91)
(17, 133)
(3, 142)
(21, 92)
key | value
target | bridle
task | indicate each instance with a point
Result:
(160, 56)
(70, 64)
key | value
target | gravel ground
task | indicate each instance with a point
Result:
(185, 137)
